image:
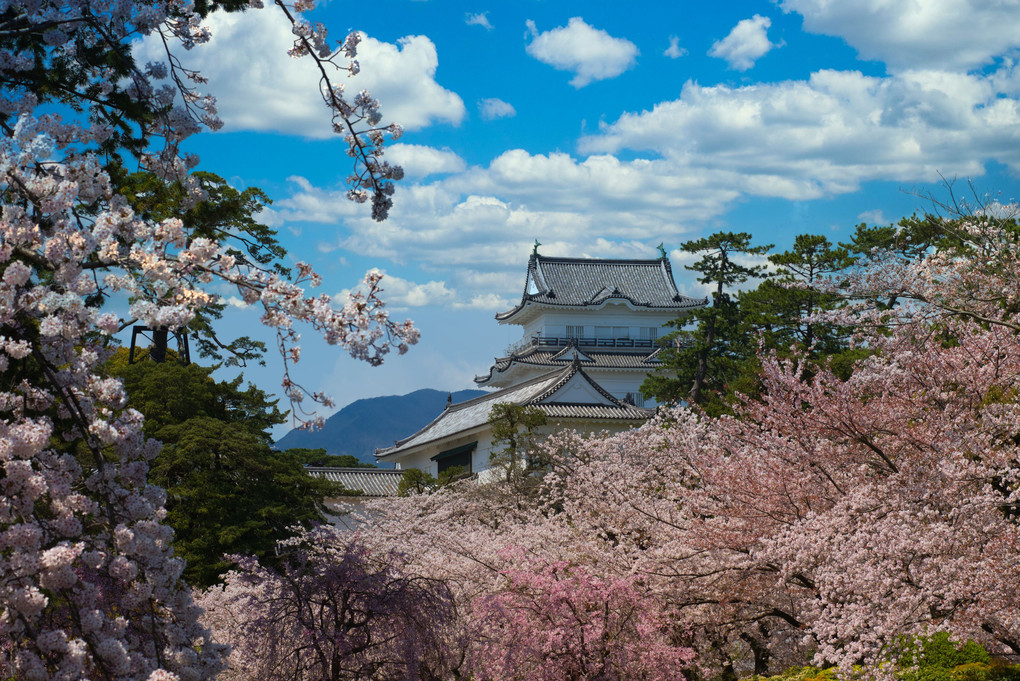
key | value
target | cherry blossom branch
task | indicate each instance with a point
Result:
(371, 173)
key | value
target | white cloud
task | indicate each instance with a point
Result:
(933, 34)
(589, 53)
(797, 140)
(399, 292)
(493, 108)
(826, 135)
(419, 161)
(487, 301)
(478, 226)
(480, 19)
(259, 87)
(746, 43)
(874, 217)
(674, 51)
(688, 160)
(402, 78)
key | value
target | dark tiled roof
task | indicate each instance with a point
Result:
(371, 482)
(590, 360)
(594, 411)
(464, 416)
(580, 282)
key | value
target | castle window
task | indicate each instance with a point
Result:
(458, 456)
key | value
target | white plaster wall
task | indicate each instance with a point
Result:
(551, 322)
(422, 459)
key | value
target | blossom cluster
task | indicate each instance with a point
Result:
(334, 610)
(357, 119)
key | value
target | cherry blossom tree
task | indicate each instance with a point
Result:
(89, 586)
(334, 611)
(556, 621)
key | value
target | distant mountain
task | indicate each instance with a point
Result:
(362, 426)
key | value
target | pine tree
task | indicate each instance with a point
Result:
(781, 308)
(698, 363)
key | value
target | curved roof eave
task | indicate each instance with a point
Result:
(507, 317)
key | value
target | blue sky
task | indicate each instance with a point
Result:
(601, 129)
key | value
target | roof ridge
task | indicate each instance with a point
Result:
(601, 261)
(460, 406)
(353, 469)
(573, 368)
(474, 400)
(567, 282)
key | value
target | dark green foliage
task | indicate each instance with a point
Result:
(910, 238)
(780, 308)
(170, 393)
(924, 658)
(319, 457)
(937, 651)
(514, 439)
(698, 364)
(227, 490)
(721, 346)
(415, 481)
(807, 673)
(774, 317)
(937, 658)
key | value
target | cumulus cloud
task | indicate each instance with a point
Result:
(746, 43)
(589, 53)
(480, 19)
(935, 34)
(259, 87)
(403, 293)
(874, 217)
(487, 301)
(493, 108)
(478, 226)
(686, 162)
(826, 135)
(420, 161)
(674, 51)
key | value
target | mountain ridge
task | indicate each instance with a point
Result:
(374, 422)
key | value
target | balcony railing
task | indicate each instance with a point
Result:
(551, 342)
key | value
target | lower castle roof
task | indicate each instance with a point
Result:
(540, 392)
(538, 357)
